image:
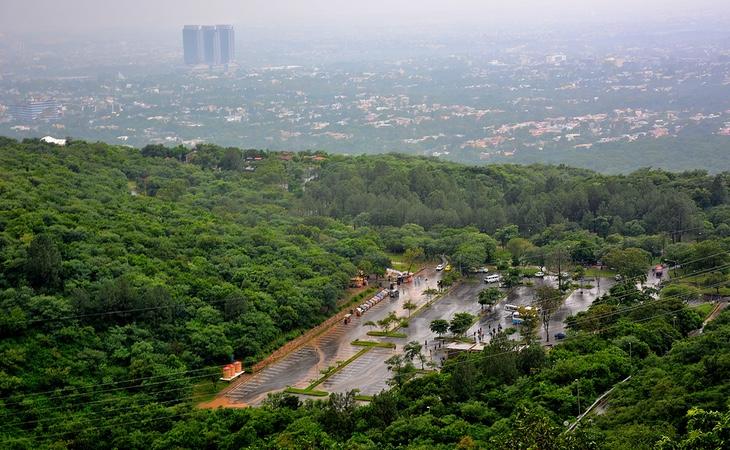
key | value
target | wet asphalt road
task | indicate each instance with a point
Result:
(372, 378)
(302, 366)
(369, 373)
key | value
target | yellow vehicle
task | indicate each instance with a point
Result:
(448, 268)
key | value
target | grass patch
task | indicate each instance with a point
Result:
(397, 262)
(206, 391)
(724, 291)
(529, 271)
(704, 309)
(391, 334)
(605, 273)
(371, 344)
(364, 398)
(307, 391)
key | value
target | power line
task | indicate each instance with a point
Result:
(124, 408)
(79, 394)
(195, 396)
(94, 402)
(481, 357)
(599, 317)
(576, 336)
(58, 393)
(174, 416)
(660, 299)
(154, 308)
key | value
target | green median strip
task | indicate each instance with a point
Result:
(309, 390)
(338, 368)
(391, 334)
(306, 391)
(428, 303)
(359, 343)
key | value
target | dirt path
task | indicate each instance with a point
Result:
(710, 317)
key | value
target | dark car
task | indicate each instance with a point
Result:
(560, 335)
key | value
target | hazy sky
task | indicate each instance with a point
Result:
(85, 15)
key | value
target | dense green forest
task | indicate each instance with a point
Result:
(127, 276)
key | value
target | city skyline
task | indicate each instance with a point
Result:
(208, 44)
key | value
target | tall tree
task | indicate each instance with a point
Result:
(530, 324)
(630, 263)
(504, 234)
(439, 326)
(558, 259)
(43, 265)
(412, 349)
(460, 323)
(410, 306)
(411, 255)
(489, 296)
(548, 300)
(518, 248)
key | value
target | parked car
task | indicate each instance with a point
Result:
(440, 267)
(539, 274)
(560, 335)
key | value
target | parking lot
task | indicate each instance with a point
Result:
(302, 366)
(369, 373)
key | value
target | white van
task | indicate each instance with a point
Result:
(491, 278)
(510, 308)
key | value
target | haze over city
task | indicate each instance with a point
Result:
(383, 224)
(72, 16)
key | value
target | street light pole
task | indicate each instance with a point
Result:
(578, 387)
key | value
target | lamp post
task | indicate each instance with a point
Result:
(577, 385)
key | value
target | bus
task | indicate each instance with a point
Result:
(491, 278)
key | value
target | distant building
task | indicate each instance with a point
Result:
(227, 43)
(556, 59)
(208, 44)
(211, 45)
(52, 140)
(36, 110)
(193, 44)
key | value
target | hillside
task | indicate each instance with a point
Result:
(128, 276)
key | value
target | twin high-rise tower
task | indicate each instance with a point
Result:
(208, 44)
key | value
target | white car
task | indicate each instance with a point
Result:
(539, 274)
(440, 267)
